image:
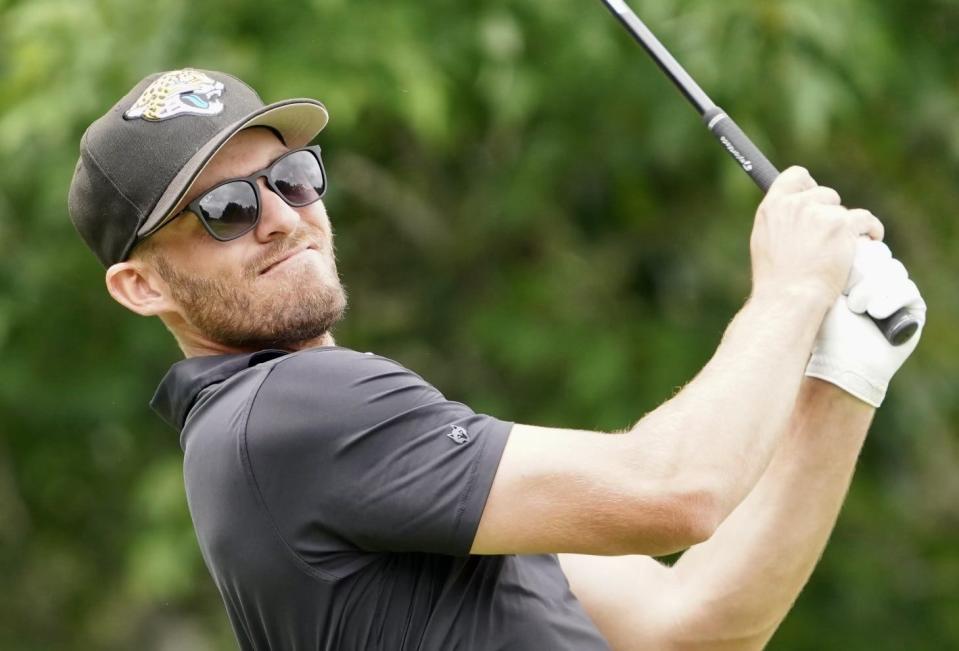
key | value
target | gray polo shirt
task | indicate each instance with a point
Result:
(335, 497)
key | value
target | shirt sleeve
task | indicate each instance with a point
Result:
(351, 451)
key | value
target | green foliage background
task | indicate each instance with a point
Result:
(527, 214)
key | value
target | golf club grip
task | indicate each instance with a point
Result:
(740, 147)
(897, 328)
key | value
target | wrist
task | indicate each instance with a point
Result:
(858, 386)
(782, 320)
(807, 299)
(830, 416)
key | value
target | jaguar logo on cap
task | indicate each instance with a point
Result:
(176, 93)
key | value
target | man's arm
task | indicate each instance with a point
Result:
(732, 591)
(670, 481)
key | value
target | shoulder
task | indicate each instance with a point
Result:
(337, 387)
(340, 373)
(339, 362)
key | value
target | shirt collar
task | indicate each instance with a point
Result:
(183, 382)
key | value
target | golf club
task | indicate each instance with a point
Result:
(897, 328)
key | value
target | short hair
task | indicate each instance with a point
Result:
(145, 250)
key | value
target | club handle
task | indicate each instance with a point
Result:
(740, 147)
(898, 328)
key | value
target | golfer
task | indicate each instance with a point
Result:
(341, 502)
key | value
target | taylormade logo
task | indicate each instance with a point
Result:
(458, 435)
(745, 162)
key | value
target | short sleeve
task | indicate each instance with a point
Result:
(352, 451)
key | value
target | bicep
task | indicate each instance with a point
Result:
(558, 490)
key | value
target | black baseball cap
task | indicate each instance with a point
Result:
(138, 161)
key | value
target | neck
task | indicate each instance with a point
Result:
(195, 345)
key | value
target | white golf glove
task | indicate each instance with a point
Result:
(850, 351)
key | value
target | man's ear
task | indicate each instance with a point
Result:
(139, 288)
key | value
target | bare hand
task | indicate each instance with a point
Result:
(803, 238)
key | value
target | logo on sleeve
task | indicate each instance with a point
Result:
(458, 435)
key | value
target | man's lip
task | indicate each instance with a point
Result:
(287, 256)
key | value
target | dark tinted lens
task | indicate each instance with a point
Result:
(299, 178)
(229, 210)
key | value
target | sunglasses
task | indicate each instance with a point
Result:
(232, 207)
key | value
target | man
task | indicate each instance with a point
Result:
(341, 502)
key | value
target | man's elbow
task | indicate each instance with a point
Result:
(700, 513)
(681, 519)
(705, 511)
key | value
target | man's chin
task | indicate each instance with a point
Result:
(295, 312)
(294, 327)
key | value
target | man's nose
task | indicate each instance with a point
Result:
(276, 216)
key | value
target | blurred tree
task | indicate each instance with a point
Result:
(517, 192)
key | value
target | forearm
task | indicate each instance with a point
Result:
(735, 588)
(721, 430)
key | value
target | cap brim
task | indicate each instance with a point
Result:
(297, 120)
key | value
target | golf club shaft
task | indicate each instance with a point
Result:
(897, 328)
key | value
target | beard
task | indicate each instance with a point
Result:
(242, 313)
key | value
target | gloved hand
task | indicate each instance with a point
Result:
(850, 352)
